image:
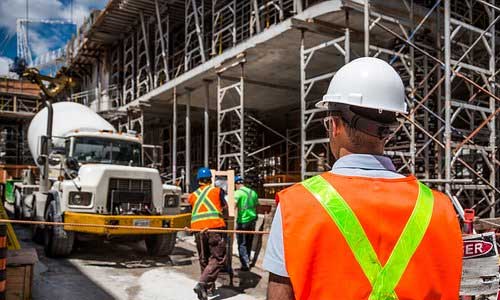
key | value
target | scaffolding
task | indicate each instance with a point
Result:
(212, 61)
(19, 102)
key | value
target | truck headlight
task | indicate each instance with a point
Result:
(171, 201)
(80, 198)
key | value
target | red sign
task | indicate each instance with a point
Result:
(474, 248)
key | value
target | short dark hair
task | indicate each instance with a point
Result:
(205, 180)
(358, 138)
(369, 121)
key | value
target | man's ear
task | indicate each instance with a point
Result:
(336, 127)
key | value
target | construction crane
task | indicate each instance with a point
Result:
(23, 49)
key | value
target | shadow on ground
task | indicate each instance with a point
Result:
(242, 282)
(127, 255)
(59, 278)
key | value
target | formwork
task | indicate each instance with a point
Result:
(232, 84)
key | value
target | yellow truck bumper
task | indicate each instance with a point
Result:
(171, 221)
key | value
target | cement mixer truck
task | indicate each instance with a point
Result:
(92, 174)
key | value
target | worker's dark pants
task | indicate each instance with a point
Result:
(212, 253)
(245, 242)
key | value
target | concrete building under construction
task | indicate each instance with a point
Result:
(232, 84)
(19, 102)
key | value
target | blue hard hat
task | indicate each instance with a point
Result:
(203, 173)
(238, 179)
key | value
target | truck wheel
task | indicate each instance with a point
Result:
(160, 244)
(36, 231)
(57, 241)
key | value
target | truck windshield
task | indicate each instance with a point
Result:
(107, 151)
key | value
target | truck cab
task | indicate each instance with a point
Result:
(108, 177)
(96, 177)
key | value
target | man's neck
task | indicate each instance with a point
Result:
(344, 152)
(202, 185)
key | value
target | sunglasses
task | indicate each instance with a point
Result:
(327, 123)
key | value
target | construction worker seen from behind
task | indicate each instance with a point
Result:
(363, 231)
(246, 203)
(208, 210)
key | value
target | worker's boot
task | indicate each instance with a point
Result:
(245, 265)
(201, 291)
(211, 289)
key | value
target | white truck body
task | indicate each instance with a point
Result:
(69, 117)
(106, 178)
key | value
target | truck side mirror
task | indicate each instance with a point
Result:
(72, 163)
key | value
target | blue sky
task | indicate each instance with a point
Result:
(42, 37)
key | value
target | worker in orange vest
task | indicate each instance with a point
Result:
(363, 231)
(209, 208)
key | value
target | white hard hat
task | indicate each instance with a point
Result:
(367, 82)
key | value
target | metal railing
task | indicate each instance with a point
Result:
(107, 100)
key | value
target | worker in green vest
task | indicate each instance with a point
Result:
(246, 203)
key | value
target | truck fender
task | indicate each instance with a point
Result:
(53, 200)
(53, 196)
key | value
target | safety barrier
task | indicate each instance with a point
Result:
(3, 259)
(166, 229)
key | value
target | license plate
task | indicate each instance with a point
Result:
(141, 223)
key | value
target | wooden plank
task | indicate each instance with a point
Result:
(225, 180)
(18, 285)
(28, 283)
(25, 256)
(228, 178)
(480, 265)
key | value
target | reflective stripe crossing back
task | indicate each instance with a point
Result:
(202, 199)
(383, 279)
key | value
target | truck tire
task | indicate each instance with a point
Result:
(36, 230)
(57, 241)
(160, 244)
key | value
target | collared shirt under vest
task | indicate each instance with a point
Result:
(348, 237)
(206, 208)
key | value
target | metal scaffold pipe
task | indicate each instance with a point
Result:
(206, 125)
(367, 27)
(447, 95)
(174, 137)
(187, 180)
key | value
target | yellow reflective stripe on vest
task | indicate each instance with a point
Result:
(407, 244)
(206, 216)
(200, 194)
(383, 279)
(202, 199)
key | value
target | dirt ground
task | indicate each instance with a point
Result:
(101, 270)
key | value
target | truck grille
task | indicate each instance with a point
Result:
(132, 185)
(129, 191)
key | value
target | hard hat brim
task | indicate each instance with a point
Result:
(323, 104)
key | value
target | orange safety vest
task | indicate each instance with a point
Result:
(319, 259)
(206, 208)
